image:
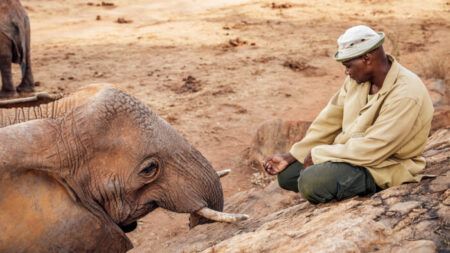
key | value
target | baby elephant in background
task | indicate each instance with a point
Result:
(76, 174)
(14, 47)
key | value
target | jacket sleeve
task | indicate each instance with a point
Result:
(381, 140)
(324, 128)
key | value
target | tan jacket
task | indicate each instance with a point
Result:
(387, 135)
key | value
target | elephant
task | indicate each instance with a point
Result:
(77, 173)
(14, 47)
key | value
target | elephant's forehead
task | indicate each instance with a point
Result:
(141, 119)
(118, 103)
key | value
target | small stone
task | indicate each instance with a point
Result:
(444, 213)
(446, 198)
(404, 207)
(390, 213)
(440, 184)
(421, 246)
(98, 74)
(107, 4)
(123, 21)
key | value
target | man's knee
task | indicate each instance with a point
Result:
(307, 187)
(287, 179)
(282, 182)
(307, 193)
(287, 183)
(316, 187)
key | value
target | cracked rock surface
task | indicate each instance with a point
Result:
(408, 218)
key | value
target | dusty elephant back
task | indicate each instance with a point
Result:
(14, 24)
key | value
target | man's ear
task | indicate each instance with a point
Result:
(367, 59)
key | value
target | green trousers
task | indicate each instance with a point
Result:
(323, 182)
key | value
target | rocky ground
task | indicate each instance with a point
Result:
(408, 218)
(218, 70)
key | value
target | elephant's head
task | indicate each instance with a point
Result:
(118, 158)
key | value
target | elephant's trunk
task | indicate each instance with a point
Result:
(215, 202)
(191, 184)
(206, 183)
(206, 215)
(211, 190)
(220, 216)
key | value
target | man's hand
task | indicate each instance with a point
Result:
(308, 161)
(275, 164)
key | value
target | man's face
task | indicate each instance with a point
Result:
(357, 69)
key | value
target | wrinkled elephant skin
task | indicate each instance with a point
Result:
(14, 47)
(80, 171)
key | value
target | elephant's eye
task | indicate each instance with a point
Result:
(149, 170)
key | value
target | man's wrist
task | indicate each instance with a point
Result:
(289, 158)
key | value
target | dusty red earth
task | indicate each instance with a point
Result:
(216, 70)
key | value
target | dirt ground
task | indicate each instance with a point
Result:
(216, 70)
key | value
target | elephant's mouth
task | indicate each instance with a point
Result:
(129, 228)
(130, 225)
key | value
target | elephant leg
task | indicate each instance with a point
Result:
(27, 83)
(5, 67)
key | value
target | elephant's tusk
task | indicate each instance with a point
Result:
(223, 173)
(221, 217)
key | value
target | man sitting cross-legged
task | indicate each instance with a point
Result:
(370, 135)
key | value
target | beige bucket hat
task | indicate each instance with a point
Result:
(357, 41)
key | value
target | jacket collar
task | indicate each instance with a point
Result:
(389, 81)
(391, 77)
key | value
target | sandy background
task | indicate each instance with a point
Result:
(217, 69)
